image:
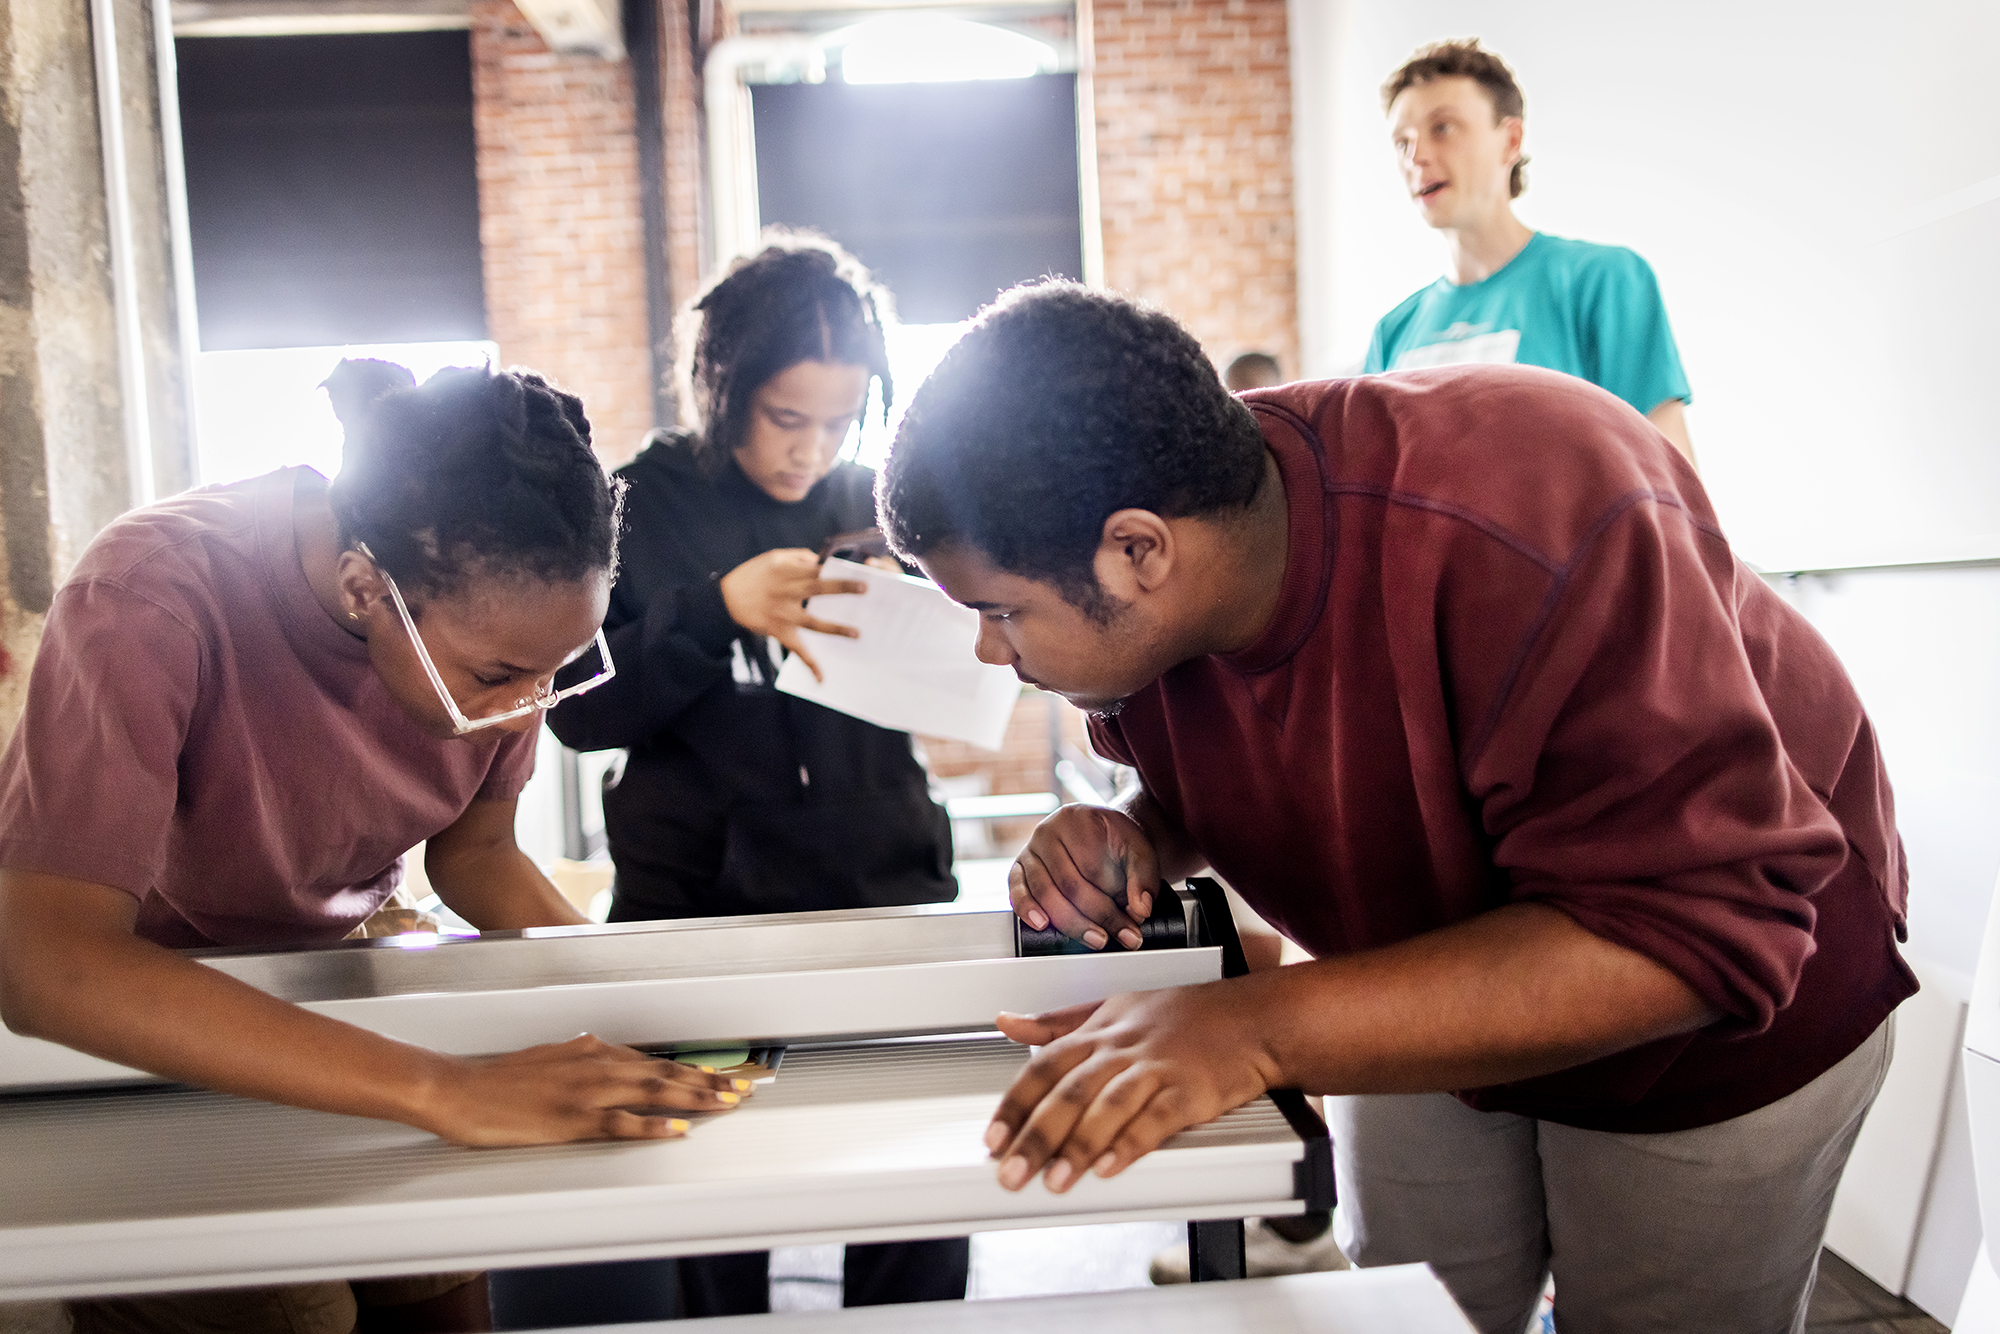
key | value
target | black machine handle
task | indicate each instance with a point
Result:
(1312, 1176)
(1217, 926)
(1166, 929)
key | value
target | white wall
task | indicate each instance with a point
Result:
(1923, 648)
(1817, 186)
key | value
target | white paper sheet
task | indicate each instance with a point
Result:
(913, 667)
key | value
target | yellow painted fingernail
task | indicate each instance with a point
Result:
(678, 1126)
(742, 1085)
(706, 1069)
(731, 1098)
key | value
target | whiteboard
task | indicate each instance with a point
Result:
(1817, 187)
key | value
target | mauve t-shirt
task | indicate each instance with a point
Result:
(200, 734)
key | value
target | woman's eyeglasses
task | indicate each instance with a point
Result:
(544, 697)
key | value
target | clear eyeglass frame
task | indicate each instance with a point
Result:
(543, 699)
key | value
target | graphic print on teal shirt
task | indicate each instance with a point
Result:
(1592, 311)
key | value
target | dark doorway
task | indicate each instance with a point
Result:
(950, 192)
(332, 190)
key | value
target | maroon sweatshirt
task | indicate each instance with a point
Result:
(1514, 661)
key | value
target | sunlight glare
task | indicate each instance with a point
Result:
(920, 48)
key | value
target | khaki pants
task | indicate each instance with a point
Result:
(1715, 1229)
(296, 1308)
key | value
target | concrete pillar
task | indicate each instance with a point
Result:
(93, 295)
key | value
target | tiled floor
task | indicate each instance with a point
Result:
(1027, 1263)
(1096, 1259)
(1845, 1300)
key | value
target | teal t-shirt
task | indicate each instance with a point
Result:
(1593, 311)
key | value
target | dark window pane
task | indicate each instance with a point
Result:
(332, 191)
(950, 192)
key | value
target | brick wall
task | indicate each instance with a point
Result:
(560, 221)
(1194, 162)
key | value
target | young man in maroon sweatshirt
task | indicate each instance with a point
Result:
(1454, 678)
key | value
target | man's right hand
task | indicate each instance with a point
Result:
(585, 1088)
(1091, 873)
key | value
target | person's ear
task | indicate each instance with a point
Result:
(361, 587)
(1135, 554)
(1515, 130)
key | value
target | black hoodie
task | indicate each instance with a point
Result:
(736, 798)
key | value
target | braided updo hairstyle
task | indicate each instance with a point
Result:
(800, 298)
(478, 473)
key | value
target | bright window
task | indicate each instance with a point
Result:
(926, 49)
(262, 408)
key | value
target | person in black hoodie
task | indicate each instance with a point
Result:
(735, 798)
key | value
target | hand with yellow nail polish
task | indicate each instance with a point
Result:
(585, 1088)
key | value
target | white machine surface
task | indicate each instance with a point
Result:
(1399, 1299)
(1979, 1312)
(151, 1189)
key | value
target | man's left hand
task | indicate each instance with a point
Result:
(1116, 1078)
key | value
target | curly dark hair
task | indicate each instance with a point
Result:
(477, 473)
(1060, 406)
(800, 298)
(1465, 58)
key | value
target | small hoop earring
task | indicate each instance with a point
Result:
(353, 615)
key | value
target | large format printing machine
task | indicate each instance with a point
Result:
(868, 1128)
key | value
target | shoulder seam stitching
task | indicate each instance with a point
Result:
(1559, 584)
(1558, 571)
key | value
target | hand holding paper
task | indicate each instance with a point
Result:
(910, 668)
(767, 595)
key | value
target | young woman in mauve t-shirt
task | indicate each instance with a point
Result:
(251, 699)
(231, 737)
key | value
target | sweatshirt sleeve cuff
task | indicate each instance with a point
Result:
(701, 615)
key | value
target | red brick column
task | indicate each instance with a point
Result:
(1194, 162)
(680, 89)
(560, 221)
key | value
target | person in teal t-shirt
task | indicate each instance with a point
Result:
(1514, 294)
